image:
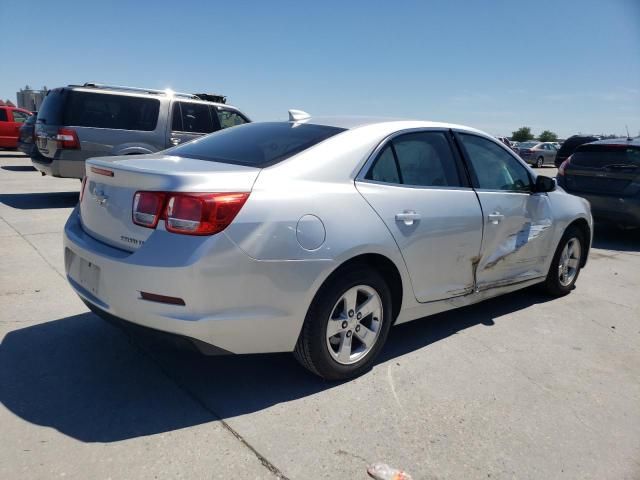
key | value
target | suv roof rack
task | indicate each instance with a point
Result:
(135, 89)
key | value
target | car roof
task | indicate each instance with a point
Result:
(635, 142)
(350, 122)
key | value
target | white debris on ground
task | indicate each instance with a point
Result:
(382, 471)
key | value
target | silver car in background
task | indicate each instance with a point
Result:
(93, 120)
(538, 153)
(317, 235)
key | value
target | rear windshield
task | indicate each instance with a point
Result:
(601, 156)
(256, 144)
(51, 109)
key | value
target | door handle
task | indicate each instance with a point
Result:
(495, 217)
(408, 217)
(175, 140)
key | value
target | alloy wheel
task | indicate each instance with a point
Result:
(354, 324)
(569, 261)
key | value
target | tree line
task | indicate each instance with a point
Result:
(523, 134)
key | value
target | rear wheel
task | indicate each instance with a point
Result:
(539, 162)
(566, 263)
(347, 324)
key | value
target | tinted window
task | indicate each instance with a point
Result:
(229, 118)
(119, 112)
(600, 156)
(495, 168)
(385, 169)
(52, 106)
(3, 115)
(420, 159)
(572, 143)
(256, 144)
(194, 118)
(19, 116)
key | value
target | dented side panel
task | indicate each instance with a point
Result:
(517, 240)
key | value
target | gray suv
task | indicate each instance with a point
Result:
(94, 120)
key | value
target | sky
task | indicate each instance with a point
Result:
(568, 66)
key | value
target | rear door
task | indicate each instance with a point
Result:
(417, 186)
(517, 223)
(5, 129)
(190, 120)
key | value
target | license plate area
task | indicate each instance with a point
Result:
(84, 272)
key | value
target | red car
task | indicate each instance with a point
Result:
(11, 119)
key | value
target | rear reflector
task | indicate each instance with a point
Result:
(84, 183)
(153, 297)
(67, 138)
(102, 171)
(563, 166)
(147, 208)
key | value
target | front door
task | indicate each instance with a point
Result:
(517, 223)
(416, 185)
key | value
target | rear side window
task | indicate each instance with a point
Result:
(3, 115)
(192, 118)
(420, 159)
(256, 144)
(601, 156)
(52, 107)
(120, 112)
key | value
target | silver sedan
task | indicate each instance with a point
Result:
(316, 235)
(538, 153)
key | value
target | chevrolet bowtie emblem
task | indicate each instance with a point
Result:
(100, 197)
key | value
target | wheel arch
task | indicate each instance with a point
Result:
(583, 226)
(383, 265)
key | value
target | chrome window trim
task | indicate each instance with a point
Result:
(368, 164)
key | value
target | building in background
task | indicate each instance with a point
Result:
(31, 99)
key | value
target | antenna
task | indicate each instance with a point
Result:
(628, 136)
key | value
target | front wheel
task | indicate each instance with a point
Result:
(539, 162)
(347, 324)
(566, 263)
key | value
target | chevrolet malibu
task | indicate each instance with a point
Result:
(316, 235)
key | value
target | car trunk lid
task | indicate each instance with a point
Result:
(112, 182)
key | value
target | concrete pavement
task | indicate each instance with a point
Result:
(522, 386)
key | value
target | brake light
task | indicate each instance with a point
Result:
(202, 213)
(67, 138)
(564, 165)
(147, 208)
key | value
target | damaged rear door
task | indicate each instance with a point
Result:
(517, 229)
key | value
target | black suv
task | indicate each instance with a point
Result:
(570, 144)
(607, 173)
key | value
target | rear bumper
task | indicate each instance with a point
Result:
(614, 209)
(57, 167)
(233, 302)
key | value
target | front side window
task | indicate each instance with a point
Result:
(229, 118)
(120, 112)
(495, 168)
(20, 117)
(192, 118)
(419, 159)
(3, 115)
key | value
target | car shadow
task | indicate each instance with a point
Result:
(610, 237)
(35, 201)
(19, 168)
(86, 379)
(13, 155)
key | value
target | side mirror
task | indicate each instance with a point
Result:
(545, 184)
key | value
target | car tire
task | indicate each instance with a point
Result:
(324, 352)
(562, 275)
(539, 162)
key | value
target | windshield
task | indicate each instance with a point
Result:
(256, 144)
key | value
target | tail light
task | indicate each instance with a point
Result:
(67, 138)
(187, 213)
(563, 166)
(148, 208)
